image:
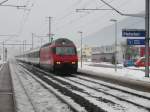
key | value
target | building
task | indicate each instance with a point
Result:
(86, 53)
(107, 54)
(103, 53)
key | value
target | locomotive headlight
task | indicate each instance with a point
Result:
(73, 62)
(58, 62)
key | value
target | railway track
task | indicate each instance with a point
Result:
(93, 95)
(33, 89)
(7, 95)
(27, 94)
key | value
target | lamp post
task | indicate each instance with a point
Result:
(115, 21)
(147, 9)
(32, 40)
(81, 34)
(3, 51)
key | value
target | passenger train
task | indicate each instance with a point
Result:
(60, 55)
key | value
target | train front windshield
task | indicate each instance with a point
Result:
(65, 51)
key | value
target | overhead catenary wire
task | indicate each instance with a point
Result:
(26, 15)
(119, 12)
(3, 2)
(77, 19)
(11, 5)
(17, 6)
(122, 4)
(103, 15)
(79, 2)
(23, 20)
(71, 7)
(8, 39)
(65, 16)
(70, 13)
(61, 18)
(73, 12)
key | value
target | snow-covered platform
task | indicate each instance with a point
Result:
(32, 96)
(7, 103)
(130, 77)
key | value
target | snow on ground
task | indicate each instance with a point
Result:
(22, 101)
(117, 106)
(42, 99)
(45, 101)
(129, 72)
(2, 62)
(102, 63)
(117, 86)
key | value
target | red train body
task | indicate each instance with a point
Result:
(58, 56)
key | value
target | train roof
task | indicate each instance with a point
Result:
(32, 50)
(60, 41)
(29, 51)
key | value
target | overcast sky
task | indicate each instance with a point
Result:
(66, 22)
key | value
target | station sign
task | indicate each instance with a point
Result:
(135, 41)
(133, 33)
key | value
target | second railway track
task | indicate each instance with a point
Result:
(93, 96)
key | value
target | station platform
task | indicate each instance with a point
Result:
(6, 90)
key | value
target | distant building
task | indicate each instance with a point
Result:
(86, 53)
(102, 54)
(106, 54)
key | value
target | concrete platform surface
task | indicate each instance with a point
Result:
(6, 93)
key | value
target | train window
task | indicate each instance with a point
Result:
(32, 55)
(53, 50)
(65, 50)
(37, 54)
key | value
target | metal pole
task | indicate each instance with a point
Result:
(147, 38)
(81, 47)
(23, 48)
(20, 50)
(51, 38)
(5, 54)
(25, 45)
(115, 46)
(41, 41)
(115, 21)
(3, 51)
(49, 29)
(32, 40)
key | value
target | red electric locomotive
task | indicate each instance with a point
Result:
(60, 55)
